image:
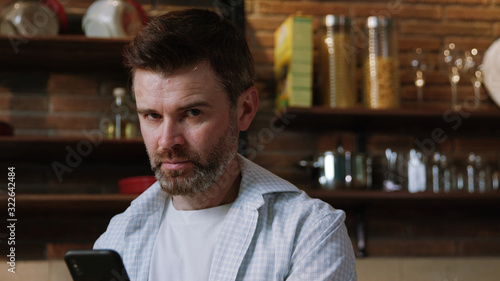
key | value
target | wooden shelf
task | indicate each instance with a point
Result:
(51, 148)
(62, 53)
(356, 198)
(94, 202)
(32, 202)
(411, 121)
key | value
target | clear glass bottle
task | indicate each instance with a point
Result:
(337, 52)
(121, 122)
(380, 64)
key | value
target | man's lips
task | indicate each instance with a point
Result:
(176, 165)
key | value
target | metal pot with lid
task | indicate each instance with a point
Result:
(340, 170)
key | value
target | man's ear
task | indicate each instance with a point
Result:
(247, 106)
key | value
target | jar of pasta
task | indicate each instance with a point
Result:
(380, 64)
(337, 62)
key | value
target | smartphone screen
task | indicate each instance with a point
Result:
(95, 265)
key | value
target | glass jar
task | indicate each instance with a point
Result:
(337, 52)
(380, 64)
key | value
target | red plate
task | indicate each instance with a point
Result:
(135, 185)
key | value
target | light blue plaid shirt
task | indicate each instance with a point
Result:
(273, 231)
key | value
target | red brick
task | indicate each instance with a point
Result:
(477, 144)
(265, 72)
(432, 77)
(44, 121)
(301, 7)
(280, 141)
(439, 93)
(81, 104)
(472, 13)
(264, 22)
(298, 177)
(263, 40)
(395, 9)
(480, 43)
(445, 29)
(496, 30)
(5, 102)
(278, 159)
(68, 83)
(24, 103)
(5, 117)
(409, 43)
(381, 142)
(263, 56)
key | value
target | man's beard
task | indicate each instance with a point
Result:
(207, 168)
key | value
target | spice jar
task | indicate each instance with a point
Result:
(380, 64)
(337, 76)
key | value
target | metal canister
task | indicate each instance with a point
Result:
(381, 64)
(337, 52)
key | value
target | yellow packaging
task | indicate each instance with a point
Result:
(293, 62)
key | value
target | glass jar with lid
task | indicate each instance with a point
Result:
(380, 64)
(337, 62)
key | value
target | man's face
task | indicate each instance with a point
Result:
(188, 127)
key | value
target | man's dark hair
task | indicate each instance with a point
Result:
(181, 39)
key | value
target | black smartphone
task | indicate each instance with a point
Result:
(95, 265)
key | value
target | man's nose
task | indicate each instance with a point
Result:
(171, 135)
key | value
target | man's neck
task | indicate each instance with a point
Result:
(225, 191)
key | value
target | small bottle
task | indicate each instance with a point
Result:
(122, 122)
(435, 173)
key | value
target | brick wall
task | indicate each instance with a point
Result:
(55, 103)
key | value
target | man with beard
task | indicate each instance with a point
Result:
(212, 214)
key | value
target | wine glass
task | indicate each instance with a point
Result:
(420, 65)
(473, 70)
(452, 62)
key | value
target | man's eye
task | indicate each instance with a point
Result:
(193, 112)
(152, 116)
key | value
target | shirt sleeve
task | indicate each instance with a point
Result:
(323, 251)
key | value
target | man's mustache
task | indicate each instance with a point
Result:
(173, 154)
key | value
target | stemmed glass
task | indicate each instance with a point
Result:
(420, 65)
(452, 62)
(473, 70)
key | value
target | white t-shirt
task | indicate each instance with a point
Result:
(185, 243)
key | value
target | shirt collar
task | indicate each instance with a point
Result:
(256, 183)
